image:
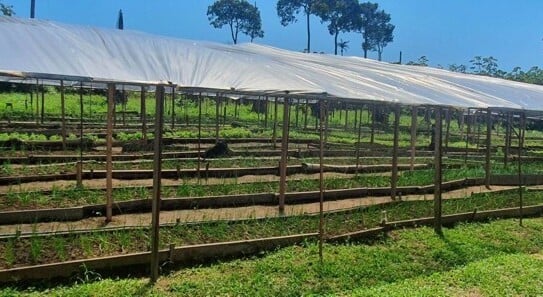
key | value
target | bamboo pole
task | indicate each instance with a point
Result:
(173, 108)
(394, 177)
(80, 163)
(109, 151)
(507, 140)
(157, 170)
(217, 122)
(448, 128)
(488, 143)
(284, 156)
(321, 183)
(199, 135)
(37, 102)
(359, 142)
(63, 115)
(274, 137)
(521, 133)
(372, 136)
(414, 122)
(438, 174)
(42, 103)
(143, 113)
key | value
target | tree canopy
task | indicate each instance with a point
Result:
(239, 15)
(377, 31)
(288, 9)
(341, 15)
(6, 9)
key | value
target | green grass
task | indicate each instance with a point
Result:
(492, 259)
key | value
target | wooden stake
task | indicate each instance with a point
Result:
(143, 113)
(173, 108)
(321, 182)
(522, 130)
(414, 122)
(284, 156)
(157, 170)
(488, 143)
(394, 178)
(109, 152)
(217, 122)
(63, 115)
(274, 137)
(438, 174)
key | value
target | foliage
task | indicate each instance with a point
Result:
(341, 15)
(422, 61)
(239, 15)
(377, 31)
(343, 45)
(6, 9)
(287, 9)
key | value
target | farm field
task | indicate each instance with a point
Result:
(468, 259)
(54, 184)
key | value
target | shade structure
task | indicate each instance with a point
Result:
(47, 49)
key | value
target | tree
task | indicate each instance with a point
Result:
(341, 15)
(343, 45)
(485, 66)
(238, 15)
(120, 20)
(458, 68)
(422, 61)
(288, 9)
(254, 26)
(7, 9)
(377, 31)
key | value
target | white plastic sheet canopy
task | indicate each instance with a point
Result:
(37, 48)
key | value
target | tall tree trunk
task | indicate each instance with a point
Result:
(308, 34)
(335, 43)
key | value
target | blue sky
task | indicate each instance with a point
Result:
(445, 31)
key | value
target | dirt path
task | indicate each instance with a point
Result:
(117, 183)
(170, 217)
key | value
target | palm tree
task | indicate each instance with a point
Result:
(343, 45)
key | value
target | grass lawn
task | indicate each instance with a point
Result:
(485, 259)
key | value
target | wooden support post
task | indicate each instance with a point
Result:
(447, 128)
(358, 143)
(143, 113)
(297, 112)
(37, 102)
(521, 133)
(394, 177)
(157, 172)
(284, 157)
(321, 181)
(414, 122)
(109, 151)
(199, 155)
(372, 136)
(306, 113)
(79, 174)
(80, 163)
(488, 148)
(124, 98)
(355, 118)
(173, 108)
(507, 148)
(346, 118)
(437, 172)
(42, 103)
(326, 123)
(468, 135)
(274, 137)
(224, 114)
(217, 120)
(266, 113)
(63, 115)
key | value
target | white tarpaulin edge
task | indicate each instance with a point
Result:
(45, 47)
